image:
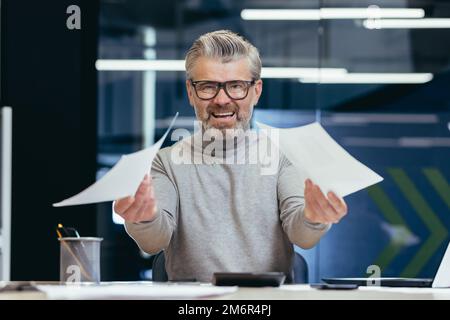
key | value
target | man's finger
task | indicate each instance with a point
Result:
(122, 205)
(338, 204)
(309, 202)
(134, 216)
(149, 200)
(143, 188)
(152, 190)
(147, 211)
(141, 195)
(323, 202)
(314, 208)
(144, 183)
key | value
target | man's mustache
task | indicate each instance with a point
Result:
(221, 109)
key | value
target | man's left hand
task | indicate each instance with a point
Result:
(320, 209)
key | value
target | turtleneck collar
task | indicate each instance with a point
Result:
(213, 146)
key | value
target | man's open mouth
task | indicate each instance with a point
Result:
(223, 114)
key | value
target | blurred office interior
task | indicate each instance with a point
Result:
(378, 80)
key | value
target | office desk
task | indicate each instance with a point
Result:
(299, 292)
(304, 292)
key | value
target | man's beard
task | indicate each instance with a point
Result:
(241, 125)
(226, 132)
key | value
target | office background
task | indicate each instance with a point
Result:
(390, 109)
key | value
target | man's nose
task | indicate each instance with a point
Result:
(221, 98)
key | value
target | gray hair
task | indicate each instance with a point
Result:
(225, 45)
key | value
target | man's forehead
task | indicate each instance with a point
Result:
(215, 70)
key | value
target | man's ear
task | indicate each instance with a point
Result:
(190, 93)
(258, 90)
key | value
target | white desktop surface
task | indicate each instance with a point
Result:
(285, 292)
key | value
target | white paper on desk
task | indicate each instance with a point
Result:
(122, 180)
(317, 156)
(133, 291)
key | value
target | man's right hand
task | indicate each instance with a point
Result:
(138, 208)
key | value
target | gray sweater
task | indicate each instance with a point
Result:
(218, 216)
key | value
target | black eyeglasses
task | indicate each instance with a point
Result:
(235, 89)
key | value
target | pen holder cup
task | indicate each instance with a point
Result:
(79, 259)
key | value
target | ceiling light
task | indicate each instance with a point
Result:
(139, 65)
(430, 23)
(178, 65)
(270, 72)
(372, 12)
(370, 78)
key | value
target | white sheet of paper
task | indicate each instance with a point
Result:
(122, 180)
(133, 291)
(317, 156)
(442, 278)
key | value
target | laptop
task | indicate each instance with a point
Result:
(441, 280)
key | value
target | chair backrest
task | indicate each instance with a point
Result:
(159, 268)
(300, 271)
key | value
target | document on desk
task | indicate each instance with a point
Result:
(122, 180)
(316, 155)
(133, 291)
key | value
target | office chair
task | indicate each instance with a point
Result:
(159, 268)
(300, 270)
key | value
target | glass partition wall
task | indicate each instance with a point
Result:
(373, 73)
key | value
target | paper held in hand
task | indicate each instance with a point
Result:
(317, 156)
(122, 180)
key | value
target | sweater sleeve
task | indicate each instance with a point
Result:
(154, 236)
(291, 204)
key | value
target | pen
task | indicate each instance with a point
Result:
(64, 232)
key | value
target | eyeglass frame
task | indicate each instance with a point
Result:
(222, 85)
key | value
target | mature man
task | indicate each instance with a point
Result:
(222, 216)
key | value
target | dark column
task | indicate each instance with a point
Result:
(48, 77)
